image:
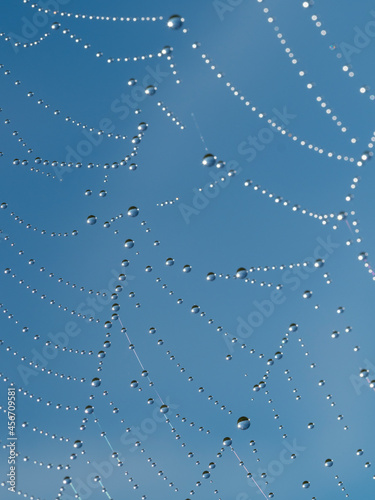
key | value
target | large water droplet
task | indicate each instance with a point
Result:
(91, 219)
(133, 211)
(243, 423)
(241, 273)
(227, 441)
(175, 22)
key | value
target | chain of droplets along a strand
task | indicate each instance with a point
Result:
(51, 302)
(320, 383)
(24, 359)
(242, 272)
(190, 378)
(114, 454)
(137, 445)
(109, 60)
(15, 133)
(363, 255)
(90, 17)
(89, 409)
(39, 399)
(136, 140)
(226, 175)
(48, 466)
(163, 408)
(120, 276)
(271, 121)
(302, 73)
(22, 493)
(49, 435)
(16, 218)
(195, 309)
(67, 119)
(295, 208)
(346, 67)
(60, 168)
(25, 330)
(170, 115)
(211, 276)
(228, 442)
(14, 40)
(279, 354)
(129, 243)
(96, 382)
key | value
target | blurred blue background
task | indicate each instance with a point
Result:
(219, 233)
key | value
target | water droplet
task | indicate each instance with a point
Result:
(175, 22)
(195, 309)
(307, 294)
(55, 26)
(186, 269)
(167, 50)
(129, 244)
(169, 262)
(133, 211)
(208, 160)
(362, 256)
(305, 484)
(211, 277)
(319, 263)
(328, 462)
(241, 273)
(227, 441)
(206, 474)
(150, 90)
(95, 382)
(142, 126)
(91, 219)
(243, 423)
(164, 409)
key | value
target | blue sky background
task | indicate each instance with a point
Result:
(240, 227)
